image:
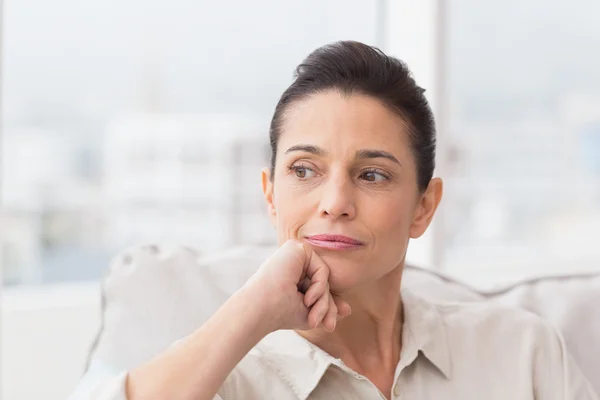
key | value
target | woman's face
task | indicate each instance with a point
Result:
(346, 183)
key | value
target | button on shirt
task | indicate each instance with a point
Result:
(451, 352)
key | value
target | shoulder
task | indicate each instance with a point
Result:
(478, 321)
(497, 343)
(508, 332)
(491, 318)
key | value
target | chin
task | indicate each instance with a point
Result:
(349, 271)
(345, 274)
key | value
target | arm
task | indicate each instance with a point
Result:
(194, 367)
(197, 366)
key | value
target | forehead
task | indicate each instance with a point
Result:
(337, 121)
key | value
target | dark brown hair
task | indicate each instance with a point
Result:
(353, 67)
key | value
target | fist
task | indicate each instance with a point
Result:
(293, 288)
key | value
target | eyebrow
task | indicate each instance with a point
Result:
(361, 154)
(306, 148)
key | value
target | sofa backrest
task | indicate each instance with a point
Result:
(154, 295)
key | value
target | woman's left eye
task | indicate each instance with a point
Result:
(373, 176)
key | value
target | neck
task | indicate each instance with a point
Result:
(370, 338)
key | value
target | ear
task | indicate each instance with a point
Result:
(267, 187)
(428, 204)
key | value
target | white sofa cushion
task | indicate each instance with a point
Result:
(154, 295)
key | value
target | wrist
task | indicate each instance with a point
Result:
(258, 310)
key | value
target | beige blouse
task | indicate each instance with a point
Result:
(450, 352)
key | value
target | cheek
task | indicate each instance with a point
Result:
(390, 219)
(390, 224)
(293, 211)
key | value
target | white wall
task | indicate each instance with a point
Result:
(45, 336)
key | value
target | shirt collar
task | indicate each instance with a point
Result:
(424, 331)
(302, 364)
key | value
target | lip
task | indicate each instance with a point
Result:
(334, 242)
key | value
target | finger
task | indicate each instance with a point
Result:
(302, 314)
(316, 269)
(344, 308)
(331, 317)
(318, 311)
(292, 250)
(314, 292)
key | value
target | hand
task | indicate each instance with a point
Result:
(293, 288)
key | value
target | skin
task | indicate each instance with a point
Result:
(326, 181)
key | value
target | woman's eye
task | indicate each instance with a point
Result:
(303, 172)
(373, 176)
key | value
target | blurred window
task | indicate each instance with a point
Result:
(134, 121)
(523, 138)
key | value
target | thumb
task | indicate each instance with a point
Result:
(344, 309)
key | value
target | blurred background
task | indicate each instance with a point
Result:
(131, 121)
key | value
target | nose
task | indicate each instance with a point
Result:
(337, 200)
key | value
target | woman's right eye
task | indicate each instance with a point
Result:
(302, 172)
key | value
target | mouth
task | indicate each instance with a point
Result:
(334, 242)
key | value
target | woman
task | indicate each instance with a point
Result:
(350, 182)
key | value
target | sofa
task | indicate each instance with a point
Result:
(154, 295)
